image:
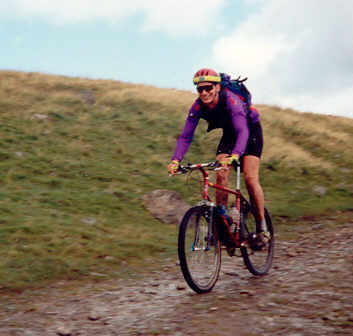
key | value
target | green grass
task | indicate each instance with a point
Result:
(71, 184)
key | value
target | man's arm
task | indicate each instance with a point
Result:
(238, 111)
(187, 134)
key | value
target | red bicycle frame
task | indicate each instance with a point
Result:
(238, 196)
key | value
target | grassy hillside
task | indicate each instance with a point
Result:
(73, 171)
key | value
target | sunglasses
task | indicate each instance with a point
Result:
(207, 88)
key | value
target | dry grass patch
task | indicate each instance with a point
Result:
(278, 149)
(324, 137)
(164, 97)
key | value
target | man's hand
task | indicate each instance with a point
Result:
(173, 167)
(230, 159)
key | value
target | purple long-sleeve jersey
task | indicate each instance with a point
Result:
(241, 116)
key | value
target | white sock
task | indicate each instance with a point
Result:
(263, 225)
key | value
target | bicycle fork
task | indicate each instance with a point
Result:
(210, 230)
(195, 243)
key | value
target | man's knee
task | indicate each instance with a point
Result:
(251, 179)
(222, 176)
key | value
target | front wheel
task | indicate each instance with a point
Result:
(257, 262)
(200, 262)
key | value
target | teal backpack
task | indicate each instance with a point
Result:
(236, 86)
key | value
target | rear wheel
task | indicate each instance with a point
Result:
(257, 262)
(200, 265)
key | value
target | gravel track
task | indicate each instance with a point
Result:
(309, 291)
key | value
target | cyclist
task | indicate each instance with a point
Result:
(241, 141)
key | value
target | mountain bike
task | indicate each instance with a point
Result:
(203, 231)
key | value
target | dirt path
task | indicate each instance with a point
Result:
(309, 291)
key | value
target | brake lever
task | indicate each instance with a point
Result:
(216, 165)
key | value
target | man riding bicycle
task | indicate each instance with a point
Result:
(242, 140)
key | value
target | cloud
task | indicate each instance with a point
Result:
(182, 17)
(175, 17)
(296, 53)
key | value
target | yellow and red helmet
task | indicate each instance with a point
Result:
(206, 75)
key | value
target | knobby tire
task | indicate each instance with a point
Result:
(200, 267)
(257, 262)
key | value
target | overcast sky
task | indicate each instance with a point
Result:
(296, 54)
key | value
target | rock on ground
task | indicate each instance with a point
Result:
(165, 205)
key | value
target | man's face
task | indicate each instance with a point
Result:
(208, 92)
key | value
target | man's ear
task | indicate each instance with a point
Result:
(218, 87)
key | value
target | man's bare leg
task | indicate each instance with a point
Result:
(251, 166)
(223, 180)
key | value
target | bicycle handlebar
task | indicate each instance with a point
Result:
(210, 165)
(214, 165)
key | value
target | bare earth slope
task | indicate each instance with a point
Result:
(308, 292)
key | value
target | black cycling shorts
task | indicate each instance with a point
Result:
(253, 147)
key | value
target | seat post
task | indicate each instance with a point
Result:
(238, 177)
